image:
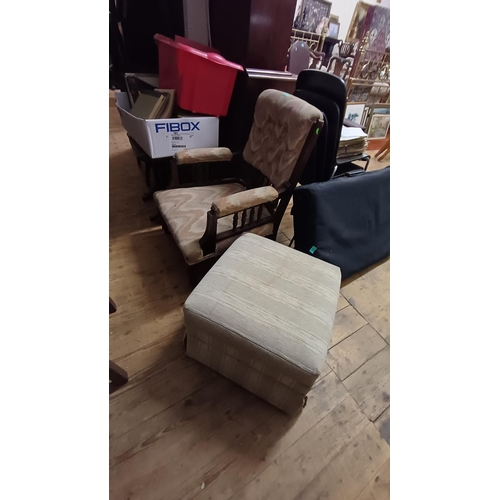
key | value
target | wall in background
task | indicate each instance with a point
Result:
(196, 26)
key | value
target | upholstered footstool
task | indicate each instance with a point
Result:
(263, 317)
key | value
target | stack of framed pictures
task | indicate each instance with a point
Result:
(374, 118)
(378, 121)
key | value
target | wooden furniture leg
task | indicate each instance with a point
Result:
(118, 377)
(387, 151)
(384, 149)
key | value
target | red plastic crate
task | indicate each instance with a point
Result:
(203, 81)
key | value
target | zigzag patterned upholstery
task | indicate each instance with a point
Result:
(280, 127)
(282, 124)
(184, 210)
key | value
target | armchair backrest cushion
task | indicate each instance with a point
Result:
(280, 128)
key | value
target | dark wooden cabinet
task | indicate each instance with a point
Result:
(253, 33)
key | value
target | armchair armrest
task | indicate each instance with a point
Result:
(245, 199)
(203, 155)
(254, 200)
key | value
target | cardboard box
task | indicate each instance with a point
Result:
(165, 137)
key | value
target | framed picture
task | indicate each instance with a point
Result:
(379, 125)
(381, 109)
(358, 93)
(333, 30)
(379, 27)
(372, 109)
(357, 27)
(310, 15)
(354, 112)
(334, 27)
(378, 108)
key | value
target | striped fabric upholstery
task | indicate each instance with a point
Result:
(263, 317)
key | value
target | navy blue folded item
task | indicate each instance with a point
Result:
(345, 221)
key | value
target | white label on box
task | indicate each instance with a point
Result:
(181, 141)
(171, 136)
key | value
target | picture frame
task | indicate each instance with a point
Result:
(333, 27)
(358, 93)
(379, 126)
(355, 112)
(378, 25)
(381, 109)
(356, 28)
(310, 14)
(333, 30)
(374, 108)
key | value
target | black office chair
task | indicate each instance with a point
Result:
(327, 92)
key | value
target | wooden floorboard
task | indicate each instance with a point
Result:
(345, 476)
(347, 321)
(379, 487)
(179, 431)
(370, 384)
(300, 463)
(383, 424)
(239, 465)
(160, 471)
(347, 356)
(369, 295)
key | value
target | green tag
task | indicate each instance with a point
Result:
(317, 131)
(312, 249)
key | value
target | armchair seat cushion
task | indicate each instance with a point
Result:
(184, 211)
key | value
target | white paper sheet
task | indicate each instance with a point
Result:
(352, 133)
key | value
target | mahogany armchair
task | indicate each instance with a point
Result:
(205, 220)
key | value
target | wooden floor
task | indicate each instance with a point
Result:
(180, 431)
